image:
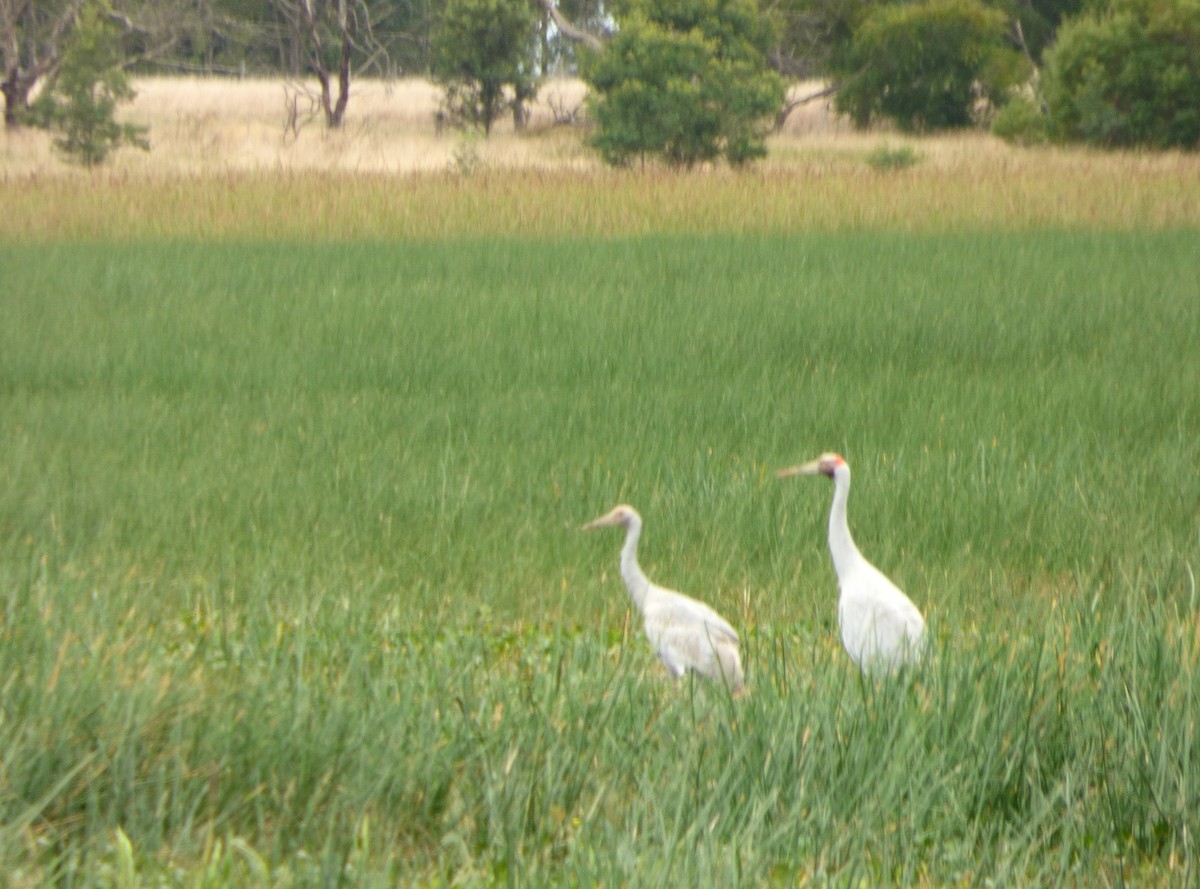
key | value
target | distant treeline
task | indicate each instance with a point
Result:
(258, 37)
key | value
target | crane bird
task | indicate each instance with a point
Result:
(685, 634)
(881, 628)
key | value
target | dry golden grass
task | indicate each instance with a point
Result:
(226, 164)
(212, 125)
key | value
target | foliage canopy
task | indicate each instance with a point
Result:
(685, 80)
(927, 65)
(1129, 76)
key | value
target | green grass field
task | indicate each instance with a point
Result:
(294, 592)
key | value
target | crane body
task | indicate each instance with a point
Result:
(685, 634)
(881, 628)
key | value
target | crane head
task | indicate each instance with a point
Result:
(826, 464)
(622, 516)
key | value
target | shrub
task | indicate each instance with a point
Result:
(887, 158)
(1020, 120)
(1128, 77)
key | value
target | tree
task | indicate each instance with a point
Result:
(1127, 77)
(481, 48)
(927, 65)
(32, 35)
(81, 102)
(685, 80)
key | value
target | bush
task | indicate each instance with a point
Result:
(887, 158)
(686, 80)
(927, 65)
(80, 104)
(1021, 121)
(1128, 77)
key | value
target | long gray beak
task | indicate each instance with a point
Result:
(604, 521)
(812, 467)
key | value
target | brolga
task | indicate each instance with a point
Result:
(685, 634)
(881, 628)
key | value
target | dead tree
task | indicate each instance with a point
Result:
(344, 24)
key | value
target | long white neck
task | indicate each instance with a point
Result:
(841, 544)
(631, 572)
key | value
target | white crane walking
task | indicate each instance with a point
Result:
(881, 628)
(685, 634)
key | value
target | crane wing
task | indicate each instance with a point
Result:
(670, 608)
(689, 635)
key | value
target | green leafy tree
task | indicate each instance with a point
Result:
(928, 65)
(483, 57)
(80, 104)
(687, 81)
(1128, 77)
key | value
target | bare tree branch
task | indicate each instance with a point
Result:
(1019, 39)
(568, 30)
(793, 104)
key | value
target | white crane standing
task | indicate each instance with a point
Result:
(881, 628)
(685, 634)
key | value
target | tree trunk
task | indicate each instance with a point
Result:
(16, 87)
(339, 110)
(292, 50)
(326, 101)
(14, 98)
(335, 111)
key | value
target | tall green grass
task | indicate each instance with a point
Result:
(293, 592)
